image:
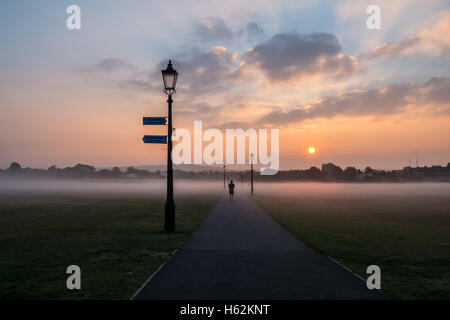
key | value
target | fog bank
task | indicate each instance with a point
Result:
(158, 187)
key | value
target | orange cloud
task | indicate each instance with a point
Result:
(435, 39)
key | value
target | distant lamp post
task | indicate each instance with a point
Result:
(251, 172)
(224, 186)
(170, 76)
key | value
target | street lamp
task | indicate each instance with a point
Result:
(224, 178)
(251, 172)
(170, 76)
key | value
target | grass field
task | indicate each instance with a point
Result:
(115, 238)
(114, 233)
(405, 229)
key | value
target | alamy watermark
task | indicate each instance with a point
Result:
(74, 280)
(216, 152)
(73, 21)
(373, 21)
(374, 280)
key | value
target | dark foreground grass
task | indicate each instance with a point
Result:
(116, 240)
(407, 236)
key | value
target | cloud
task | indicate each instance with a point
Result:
(252, 33)
(436, 91)
(201, 110)
(109, 65)
(233, 124)
(435, 40)
(213, 30)
(115, 72)
(206, 72)
(254, 30)
(291, 55)
(145, 84)
(282, 57)
(393, 99)
(202, 72)
(396, 49)
(217, 31)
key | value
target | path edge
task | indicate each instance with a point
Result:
(319, 252)
(171, 255)
(153, 275)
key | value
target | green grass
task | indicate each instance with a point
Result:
(117, 242)
(407, 236)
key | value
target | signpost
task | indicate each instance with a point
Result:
(155, 139)
(154, 120)
(252, 191)
(170, 76)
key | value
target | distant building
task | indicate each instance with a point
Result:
(434, 173)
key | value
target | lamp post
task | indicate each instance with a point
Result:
(224, 187)
(170, 77)
(251, 172)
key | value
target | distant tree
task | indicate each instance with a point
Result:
(332, 171)
(79, 171)
(14, 167)
(84, 168)
(116, 170)
(116, 173)
(53, 171)
(312, 173)
(131, 170)
(368, 170)
(105, 173)
(350, 173)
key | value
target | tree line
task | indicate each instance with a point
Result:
(327, 172)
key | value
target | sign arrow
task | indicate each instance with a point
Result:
(154, 139)
(154, 120)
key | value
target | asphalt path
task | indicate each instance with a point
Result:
(241, 252)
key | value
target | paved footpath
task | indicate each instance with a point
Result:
(240, 252)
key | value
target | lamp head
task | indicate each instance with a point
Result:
(170, 76)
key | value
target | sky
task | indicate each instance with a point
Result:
(311, 69)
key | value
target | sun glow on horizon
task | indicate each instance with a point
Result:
(312, 150)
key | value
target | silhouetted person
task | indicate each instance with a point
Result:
(231, 189)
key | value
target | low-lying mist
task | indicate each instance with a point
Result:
(92, 187)
(320, 189)
(158, 187)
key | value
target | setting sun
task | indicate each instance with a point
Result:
(311, 150)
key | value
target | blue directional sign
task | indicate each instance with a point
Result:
(154, 120)
(154, 139)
